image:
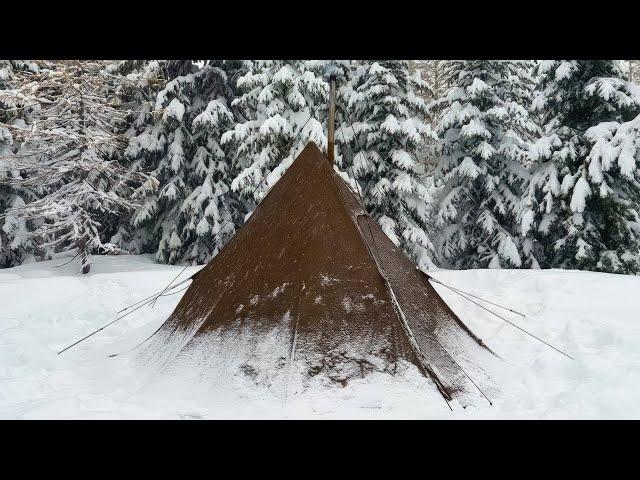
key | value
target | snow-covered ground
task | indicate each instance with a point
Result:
(43, 308)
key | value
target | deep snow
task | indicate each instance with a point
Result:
(593, 317)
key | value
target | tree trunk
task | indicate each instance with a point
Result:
(84, 255)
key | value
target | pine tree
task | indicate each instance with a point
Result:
(379, 140)
(213, 212)
(434, 74)
(581, 206)
(176, 139)
(484, 129)
(16, 111)
(634, 66)
(70, 150)
(284, 105)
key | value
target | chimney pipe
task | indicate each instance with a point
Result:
(332, 118)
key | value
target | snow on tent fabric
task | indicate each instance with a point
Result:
(310, 287)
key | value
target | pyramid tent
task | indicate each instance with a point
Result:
(312, 285)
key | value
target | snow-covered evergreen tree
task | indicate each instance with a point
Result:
(581, 205)
(16, 109)
(379, 141)
(177, 140)
(212, 212)
(484, 129)
(634, 71)
(69, 152)
(434, 74)
(283, 105)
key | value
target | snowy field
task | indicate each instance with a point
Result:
(593, 317)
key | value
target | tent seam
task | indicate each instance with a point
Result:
(399, 313)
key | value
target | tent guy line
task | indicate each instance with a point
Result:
(147, 302)
(510, 323)
(466, 374)
(154, 295)
(435, 280)
(153, 303)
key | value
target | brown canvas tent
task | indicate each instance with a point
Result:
(312, 285)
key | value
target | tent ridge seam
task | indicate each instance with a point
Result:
(422, 360)
(421, 357)
(414, 344)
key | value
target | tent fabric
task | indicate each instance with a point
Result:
(312, 285)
